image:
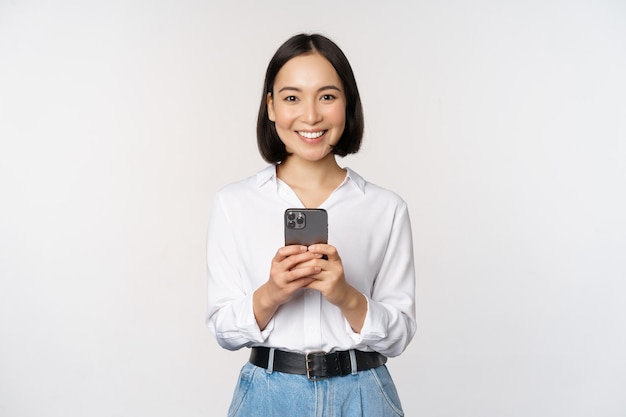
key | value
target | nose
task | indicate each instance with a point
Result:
(312, 113)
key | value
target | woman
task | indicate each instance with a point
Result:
(320, 320)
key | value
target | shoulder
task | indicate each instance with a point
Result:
(374, 192)
(246, 187)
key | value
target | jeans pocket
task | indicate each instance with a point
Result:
(387, 388)
(243, 385)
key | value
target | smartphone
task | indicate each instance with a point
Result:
(306, 226)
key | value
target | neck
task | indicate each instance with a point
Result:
(310, 174)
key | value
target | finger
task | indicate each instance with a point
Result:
(307, 273)
(302, 283)
(327, 250)
(287, 251)
(295, 261)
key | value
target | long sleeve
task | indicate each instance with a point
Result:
(390, 321)
(230, 316)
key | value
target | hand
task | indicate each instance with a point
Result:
(288, 273)
(331, 282)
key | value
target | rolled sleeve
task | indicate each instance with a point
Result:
(235, 326)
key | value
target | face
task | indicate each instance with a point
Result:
(308, 107)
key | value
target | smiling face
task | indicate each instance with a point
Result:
(308, 107)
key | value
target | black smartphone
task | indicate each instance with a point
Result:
(306, 226)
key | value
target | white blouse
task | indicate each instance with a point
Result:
(371, 230)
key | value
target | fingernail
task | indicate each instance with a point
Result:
(303, 248)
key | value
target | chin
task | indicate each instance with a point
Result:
(312, 156)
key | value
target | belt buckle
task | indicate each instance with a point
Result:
(308, 359)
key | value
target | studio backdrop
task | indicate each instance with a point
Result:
(501, 123)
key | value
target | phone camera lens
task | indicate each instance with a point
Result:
(291, 215)
(300, 220)
(291, 224)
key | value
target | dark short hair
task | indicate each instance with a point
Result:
(271, 147)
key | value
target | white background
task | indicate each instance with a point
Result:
(502, 123)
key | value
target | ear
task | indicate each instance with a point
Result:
(270, 107)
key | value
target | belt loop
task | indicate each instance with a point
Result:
(270, 361)
(353, 362)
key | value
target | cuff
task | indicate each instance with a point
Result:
(374, 327)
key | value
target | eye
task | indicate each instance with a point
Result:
(291, 98)
(328, 97)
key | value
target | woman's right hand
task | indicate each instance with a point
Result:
(286, 277)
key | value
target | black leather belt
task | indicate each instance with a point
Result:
(316, 365)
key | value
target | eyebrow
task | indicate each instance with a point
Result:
(326, 87)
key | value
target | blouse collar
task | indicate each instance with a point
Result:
(268, 174)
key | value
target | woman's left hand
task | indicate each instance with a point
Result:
(331, 282)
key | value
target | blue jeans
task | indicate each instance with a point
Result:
(260, 393)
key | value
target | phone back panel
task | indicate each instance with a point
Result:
(306, 226)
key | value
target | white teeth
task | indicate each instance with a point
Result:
(312, 135)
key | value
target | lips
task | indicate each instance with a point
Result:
(311, 135)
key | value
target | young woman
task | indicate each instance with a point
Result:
(320, 320)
